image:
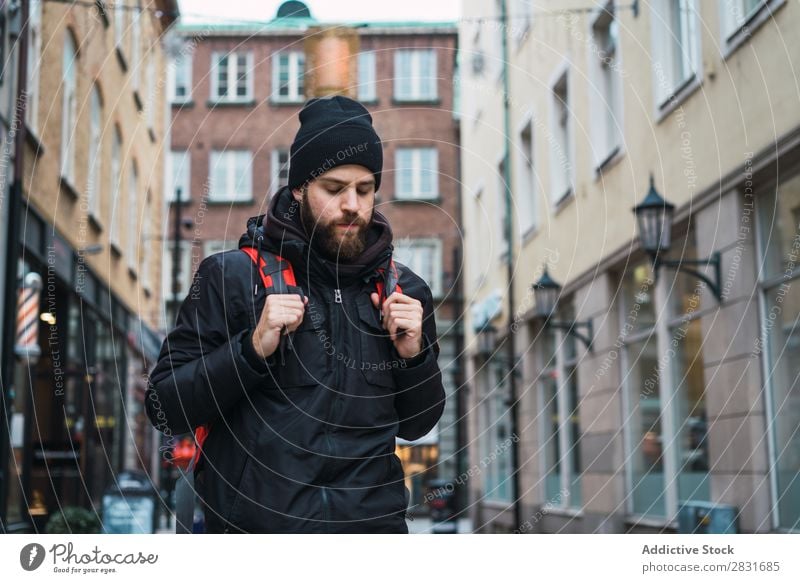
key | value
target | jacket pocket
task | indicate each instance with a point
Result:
(305, 360)
(377, 358)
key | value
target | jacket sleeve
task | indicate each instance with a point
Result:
(202, 370)
(420, 396)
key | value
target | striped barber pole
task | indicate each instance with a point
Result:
(26, 345)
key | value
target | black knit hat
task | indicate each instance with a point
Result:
(333, 131)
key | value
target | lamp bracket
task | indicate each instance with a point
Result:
(715, 261)
(572, 328)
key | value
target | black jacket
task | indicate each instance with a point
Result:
(307, 445)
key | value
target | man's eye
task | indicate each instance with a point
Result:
(363, 192)
(333, 190)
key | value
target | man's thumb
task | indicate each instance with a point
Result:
(375, 299)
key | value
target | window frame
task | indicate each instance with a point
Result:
(296, 69)
(231, 176)
(231, 78)
(415, 166)
(415, 80)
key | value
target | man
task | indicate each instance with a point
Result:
(305, 395)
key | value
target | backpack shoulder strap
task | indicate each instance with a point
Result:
(277, 274)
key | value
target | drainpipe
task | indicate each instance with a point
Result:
(509, 235)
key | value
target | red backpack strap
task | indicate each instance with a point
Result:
(387, 283)
(277, 275)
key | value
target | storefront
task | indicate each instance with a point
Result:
(69, 407)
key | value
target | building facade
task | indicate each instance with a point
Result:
(681, 397)
(236, 92)
(95, 124)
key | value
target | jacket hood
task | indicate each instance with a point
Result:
(280, 230)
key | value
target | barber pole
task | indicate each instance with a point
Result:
(26, 346)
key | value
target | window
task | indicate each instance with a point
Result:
(231, 76)
(95, 160)
(520, 19)
(145, 242)
(150, 79)
(136, 49)
(68, 109)
(500, 209)
(231, 176)
(736, 13)
(132, 212)
(366, 76)
(496, 439)
(280, 169)
(116, 190)
(676, 47)
(34, 61)
(561, 144)
(120, 24)
(416, 173)
(606, 118)
(288, 73)
(559, 399)
(180, 78)
(415, 75)
(526, 190)
(423, 257)
(779, 221)
(178, 172)
(663, 368)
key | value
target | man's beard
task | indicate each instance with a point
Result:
(324, 238)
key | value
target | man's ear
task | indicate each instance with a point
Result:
(298, 194)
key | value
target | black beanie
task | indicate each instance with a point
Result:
(334, 131)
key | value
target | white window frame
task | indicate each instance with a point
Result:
(527, 202)
(367, 88)
(415, 89)
(150, 105)
(132, 211)
(275, 169)
(181, 63)
(416, 153)
(69, 80)
(435, 284)
(733, 32)
(115, 234)
(229, 159)
(34, 65)
(297, 67)
(145, 242)
(178, 160)
(136, 48)
(563, 188)
(669, 91)
(521, 19)
(120, 25)
(95, 157)
(606, 117)
(232, 65)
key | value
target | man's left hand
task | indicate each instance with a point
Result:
(402, 318)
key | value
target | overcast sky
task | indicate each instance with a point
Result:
(327, 10)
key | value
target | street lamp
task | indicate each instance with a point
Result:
(546, 292)
(654, 219)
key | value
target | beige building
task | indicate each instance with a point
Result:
(96, 125)
(681, 398)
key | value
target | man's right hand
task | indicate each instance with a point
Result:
(280, 310)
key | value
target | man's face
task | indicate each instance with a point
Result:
(336, 209)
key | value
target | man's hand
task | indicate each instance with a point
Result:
(402, 318)
(281, 313)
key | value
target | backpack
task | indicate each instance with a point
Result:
(277, 277)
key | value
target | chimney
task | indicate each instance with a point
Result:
(331, 61)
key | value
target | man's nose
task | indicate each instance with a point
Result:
(349, 201)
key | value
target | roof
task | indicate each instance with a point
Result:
(295, 25)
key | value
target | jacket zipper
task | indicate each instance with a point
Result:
(337, 298)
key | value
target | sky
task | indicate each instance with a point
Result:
(326, 10)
